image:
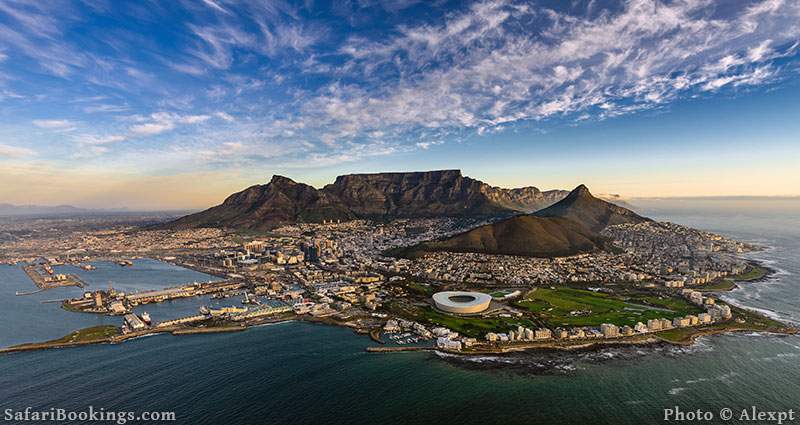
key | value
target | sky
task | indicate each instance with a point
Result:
(177, 104)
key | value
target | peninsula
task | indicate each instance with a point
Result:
(425, 260)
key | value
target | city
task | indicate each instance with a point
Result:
(339, 273)
(399, 212)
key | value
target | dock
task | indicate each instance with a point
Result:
(397, 349)
(43, 284)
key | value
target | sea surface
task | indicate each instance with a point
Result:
(303, 373)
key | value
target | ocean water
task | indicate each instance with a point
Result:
(303, 373)
(28, 319)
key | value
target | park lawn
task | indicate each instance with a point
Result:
(82, 335)
(676, 304)
(718, 286)
(500, 293)
(752, 273)
(471, 326)
(420, 288)
(554, 306)
(679, 335)
(88, 334)
(476, 327)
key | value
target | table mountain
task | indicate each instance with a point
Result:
(443, 193)
(433, 194)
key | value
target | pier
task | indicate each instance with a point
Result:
(43, 283)
(397, 349)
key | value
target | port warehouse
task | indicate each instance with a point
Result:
(180, 292)
(234, 314)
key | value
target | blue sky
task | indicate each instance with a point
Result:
(177, 104)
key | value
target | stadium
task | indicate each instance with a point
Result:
(462, 302)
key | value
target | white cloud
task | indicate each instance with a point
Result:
(151, 129)
(216, 6)
(759, 52)
(164, 121)
(224, 116)
(105, 108)
(489, 66)
(188, 68)
(55, 124)
(193, 119)
(93, 139)
(8, 151)
(478, 69)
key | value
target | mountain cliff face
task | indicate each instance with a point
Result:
(282, 200)
(525, 199)
(373, 196)
(430, 194)
(593, 213)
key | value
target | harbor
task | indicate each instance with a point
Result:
(44, 277)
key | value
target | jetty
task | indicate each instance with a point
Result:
(397, 349)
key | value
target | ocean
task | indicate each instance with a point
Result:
(304, 373)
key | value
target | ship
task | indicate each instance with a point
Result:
(146, 318)
(88, 267)
(125, 263)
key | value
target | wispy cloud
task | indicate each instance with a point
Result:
(164, 121)
(63, 125)
(502, 62)
(228, 83)
(8, 151)
(105, 108)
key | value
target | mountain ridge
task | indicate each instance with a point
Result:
(416, 194)
(568, 227)
(593, 213)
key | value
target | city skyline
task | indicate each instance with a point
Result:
(166, 106)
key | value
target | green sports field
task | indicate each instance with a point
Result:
(578, 307)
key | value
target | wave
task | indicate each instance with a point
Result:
(476, 359)
(270, 324)
(560, 362)
(772, 314)
(143, 336)
(677, 390)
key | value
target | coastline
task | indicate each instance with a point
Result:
(731, 283)
(684, 337)
(692, 334)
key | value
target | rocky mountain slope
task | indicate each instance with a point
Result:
(593, 213)
(524, 235)
(568, 227)
(282, 200)
(374, 196)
